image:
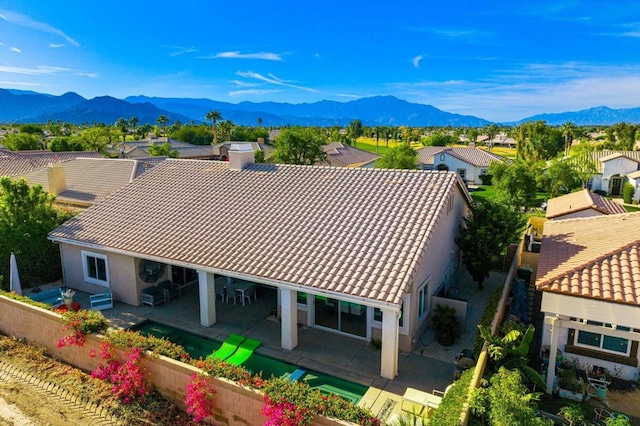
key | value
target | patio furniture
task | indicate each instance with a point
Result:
(296, 375)
(419, 402)
(244, 352)
(221, 291)
(52, 297)
(169, 290)
(246, 290)
(101, 301)
(152, 296)
(597, 388)
(228, 348)
(231, 292)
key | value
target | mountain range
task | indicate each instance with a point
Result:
(27, 106)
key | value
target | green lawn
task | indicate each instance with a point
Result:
(489, 193)
(632, 209)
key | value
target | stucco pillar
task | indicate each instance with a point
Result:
(289, 318)
(389, 352)
(207, 289)
(553, 352)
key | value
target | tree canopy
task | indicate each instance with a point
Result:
(537, 141)
(515, 183)
(300, 145)
(399, 157)
(163, 150)
(21, 141)
(485, 234)
(27, 215)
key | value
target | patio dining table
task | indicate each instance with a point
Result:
(243, 287)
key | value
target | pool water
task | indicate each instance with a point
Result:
(198, 346)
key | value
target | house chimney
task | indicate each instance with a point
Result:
(472, 145)
(56, 178)
(240, 155)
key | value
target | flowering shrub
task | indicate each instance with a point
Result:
(295, 403)
(133, 339)
(24, 299)
(80, 324)
(217, 368)
(199, 399)
(128, 379)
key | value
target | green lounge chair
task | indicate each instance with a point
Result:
(244, 352)
(228, 347)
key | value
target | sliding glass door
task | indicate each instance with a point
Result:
(346, 317)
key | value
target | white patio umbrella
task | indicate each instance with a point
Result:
(14, 278)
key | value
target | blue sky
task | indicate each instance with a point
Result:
(497, 60)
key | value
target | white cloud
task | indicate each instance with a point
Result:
(416, 61)
(18, 83)
(272, 79)
(55, 46)
(250, 92)
(15, 49)
(532, 89)
(26, 21)
(87, 74)
(180, 50)
(39, 70)
(267, 56)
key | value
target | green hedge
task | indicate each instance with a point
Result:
(25, 299)
(450, 409)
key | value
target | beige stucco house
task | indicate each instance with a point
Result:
(589, 275)
(374, 242)
(469, 162)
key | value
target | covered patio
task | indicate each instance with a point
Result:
(341, 356)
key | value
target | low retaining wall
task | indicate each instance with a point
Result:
(460, 307)
(234, 404)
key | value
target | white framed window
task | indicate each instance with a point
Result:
(441, 157)
(603, 342)
(95, 268)
(462, 173)
(377, 316)
(483, 171)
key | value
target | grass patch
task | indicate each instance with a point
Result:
(632, 209)
(483, 193)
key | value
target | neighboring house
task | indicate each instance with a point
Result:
(140, 149)
(340, 155)
(581, 204)
(589, 275)
(82, 182)
(370, 242)
(221, 150)
(613, 169)
(469, 162)
(16, 162)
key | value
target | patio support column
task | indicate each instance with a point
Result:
(207, 298)
(289, 317)
(389, 353)
(553, 352)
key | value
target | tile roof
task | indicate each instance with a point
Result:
(596, 257)
(474, 156)
(345, 155)
(13, 163)
(581, 200)
(89, 180)
(634, 175)
(617, 155)
(360, 232)
(598, 157)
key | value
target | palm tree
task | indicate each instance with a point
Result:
(569, 132)
(133, 122)
(214, 116)
(163, 120)
(226, 127)
(259, 121)
(123, 126)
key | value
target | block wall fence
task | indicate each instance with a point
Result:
(234, 404)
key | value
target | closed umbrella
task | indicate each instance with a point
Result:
(14, 278)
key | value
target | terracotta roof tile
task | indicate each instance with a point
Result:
(345, 155)
(88, 180)
(474, 156)
(581, 200)
(597, 257)
(358, 234)
(13, 163)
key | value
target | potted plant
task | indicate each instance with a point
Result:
(67, 296)
(446, 325)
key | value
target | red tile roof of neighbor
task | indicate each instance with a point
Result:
(360, 232)
(344, 155)
(581, 200)
(596, 257)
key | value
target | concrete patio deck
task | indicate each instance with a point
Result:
(430, 366)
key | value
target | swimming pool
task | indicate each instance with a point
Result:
(198, 346)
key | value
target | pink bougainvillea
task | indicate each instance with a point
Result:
(199, 399)
(128, 379)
